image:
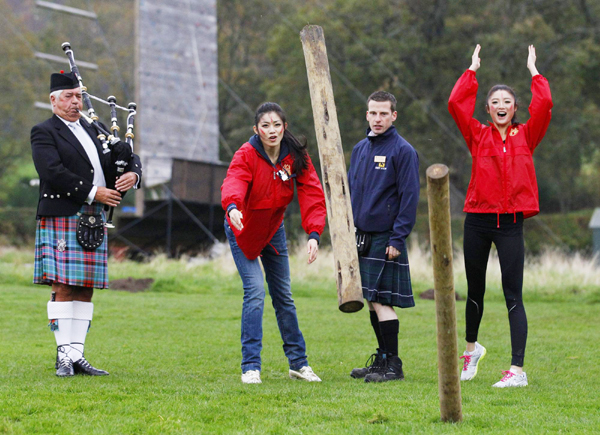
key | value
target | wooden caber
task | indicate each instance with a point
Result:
(333, 168)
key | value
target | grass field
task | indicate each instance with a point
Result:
(173, 353)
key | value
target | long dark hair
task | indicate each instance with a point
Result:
(297, 146)
(510, 91)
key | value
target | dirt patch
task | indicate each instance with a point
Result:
(131, 285)
(430, 295)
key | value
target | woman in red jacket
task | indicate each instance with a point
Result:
(257, 189)
(502, 192)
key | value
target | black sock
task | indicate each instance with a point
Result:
(375, 325)
(389, 331)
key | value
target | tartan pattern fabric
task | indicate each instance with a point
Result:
(59, 257)
(385, 281)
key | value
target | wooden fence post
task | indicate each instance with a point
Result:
(333, 168)
(438, 197)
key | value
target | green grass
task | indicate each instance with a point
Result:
(174, 355)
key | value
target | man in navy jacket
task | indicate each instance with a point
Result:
(384, 189)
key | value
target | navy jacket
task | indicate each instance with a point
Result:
(384, 185)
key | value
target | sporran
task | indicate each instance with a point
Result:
(90, 231)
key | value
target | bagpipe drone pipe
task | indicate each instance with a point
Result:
(121, 152)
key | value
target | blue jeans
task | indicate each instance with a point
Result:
(274, 258)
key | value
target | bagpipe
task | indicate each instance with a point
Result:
(121, 152)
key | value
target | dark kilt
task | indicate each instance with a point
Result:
(385, 281)
(59, 258)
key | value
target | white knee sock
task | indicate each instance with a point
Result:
(61, 318)
(82, 316)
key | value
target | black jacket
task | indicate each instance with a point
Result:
(65, 171)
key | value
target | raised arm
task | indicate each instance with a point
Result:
(461, 103)
(540, 109)
(531, 61)
(475, 60)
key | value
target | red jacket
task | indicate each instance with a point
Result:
(502, 175)
(252, 184)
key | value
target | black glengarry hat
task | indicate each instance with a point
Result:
(63, 81)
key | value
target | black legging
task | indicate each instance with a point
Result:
(481, 229)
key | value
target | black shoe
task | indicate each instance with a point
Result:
(83, 367)
(390, 370)
(371, 366)
(65, 368)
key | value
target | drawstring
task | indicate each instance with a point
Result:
(276, 251)
(498, 218)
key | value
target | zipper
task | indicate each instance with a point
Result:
(504, 175)
(362, 187)
(365, 177)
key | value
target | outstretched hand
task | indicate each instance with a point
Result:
(531, 61)
(312, 248)
(475, 60)
(235, 217)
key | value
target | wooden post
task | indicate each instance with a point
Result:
(438, 197)
(333, 168)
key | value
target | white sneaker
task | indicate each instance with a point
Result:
(251, 377)
(306, 374)
(472, 362)
(511, 379)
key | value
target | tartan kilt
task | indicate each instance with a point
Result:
(67, 262)
(386, 282)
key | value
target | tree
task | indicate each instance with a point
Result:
(417, 50)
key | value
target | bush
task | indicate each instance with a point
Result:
(17, 226)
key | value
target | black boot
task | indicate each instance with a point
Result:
(390, 370)
(371, 365)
